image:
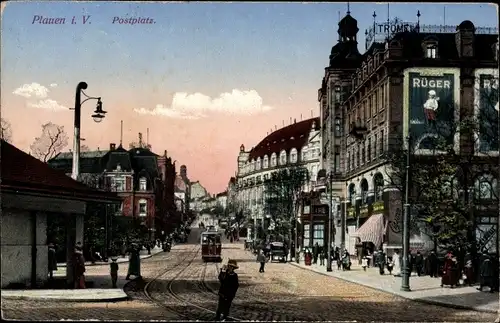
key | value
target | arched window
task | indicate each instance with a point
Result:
(352, 194)
(273, 160)
(364, 190)
(486, 187)
(143, 207)
(378, 186)
(259, 164)
(253, 166)
(303, 155)
(143, 184)
(293, 155)
(282, 157)
(266, 161)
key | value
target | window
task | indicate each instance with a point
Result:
(378, 186)
(293, 155)
(314, 173)
(266, 177)
(363, 153)
(266, 161)
(118, 184)
(348, 161)
(338, 131)
(307, 234)
(431, 51)
(357, 158)
(369, 152)
(381, 142)
(337, 163)
(259, 163)
(376, 143)
(143, 207)
(318, 234)
(273, 160)
(303, 155)
(486, 187)
(283, 158)
(143, 184)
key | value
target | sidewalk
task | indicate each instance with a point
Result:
(96, 275)
(424, 289)
(144, 255)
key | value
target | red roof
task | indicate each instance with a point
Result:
(22, 172)
(282, 139)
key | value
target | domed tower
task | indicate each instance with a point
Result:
(348, 29)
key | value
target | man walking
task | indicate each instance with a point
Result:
(228, 286)
(261, 258)
(419, 263)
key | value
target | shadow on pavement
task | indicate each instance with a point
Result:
(295, 308)
(479, 299)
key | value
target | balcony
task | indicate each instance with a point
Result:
(358, 129)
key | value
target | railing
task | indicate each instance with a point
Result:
(379, 33)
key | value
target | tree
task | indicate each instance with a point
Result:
(52, 140)
(281, 192)
(6, 131)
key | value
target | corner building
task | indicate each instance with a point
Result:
(366, 102)
(295, 144)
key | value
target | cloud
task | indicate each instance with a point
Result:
(53, 85)
(48, 104)
(32, 90)
(196, 105)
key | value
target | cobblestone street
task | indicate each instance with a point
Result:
(283, 292)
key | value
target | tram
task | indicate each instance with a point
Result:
(211, 246)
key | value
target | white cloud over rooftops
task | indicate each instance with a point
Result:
(196, 105)
(48, 104)
(32, 90)
(37, 96)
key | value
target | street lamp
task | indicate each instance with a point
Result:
(405, 283)
(97, 116)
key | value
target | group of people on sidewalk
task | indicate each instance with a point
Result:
(78, 265)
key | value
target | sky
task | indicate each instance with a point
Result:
(204, 78)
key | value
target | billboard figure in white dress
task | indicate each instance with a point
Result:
(430, 108)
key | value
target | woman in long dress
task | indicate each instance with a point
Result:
(134, 265)
(397, 263)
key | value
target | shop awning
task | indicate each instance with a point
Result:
(372, 230)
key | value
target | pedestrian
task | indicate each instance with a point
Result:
(419, 263)
(79, 267)
(364, 262)
(322, 258)
(448, 277)
(113, 271)
(486, 271)
(52, 260)
(261, 258)
(337, 258)
(433, 264)
(228, 287)
(381, 261)
(134, 264)
(315, 253)
(396, 261)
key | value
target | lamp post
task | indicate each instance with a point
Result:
(405, 283)
(97, 116)
(330, 221)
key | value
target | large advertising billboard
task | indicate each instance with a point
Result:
(486, 110)
(431, 109)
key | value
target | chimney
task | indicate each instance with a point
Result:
(290, 120)
(165, 153)
(294, 120)
(112, 147)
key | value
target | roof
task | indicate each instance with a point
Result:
(222, 194)
(83, 154)
(293, 136)
(90, 161)
(24, 173)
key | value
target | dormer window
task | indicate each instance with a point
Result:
(283, 157)
(143, 184)
(431, 51)
(430, 46)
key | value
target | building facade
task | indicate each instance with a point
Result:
(142, 179)
(296, 144)
(381, 97)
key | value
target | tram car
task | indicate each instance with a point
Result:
(211, 246)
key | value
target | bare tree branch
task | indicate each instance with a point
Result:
(6, 131)
(52, 140)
